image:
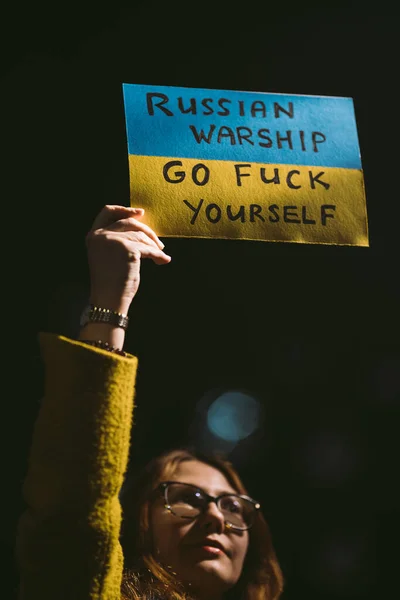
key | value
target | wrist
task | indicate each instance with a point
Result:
(100, 322)
(118, 305)
(100, 314)
(105, 346)
(115, 336)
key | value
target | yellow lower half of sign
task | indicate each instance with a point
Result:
(250, 201)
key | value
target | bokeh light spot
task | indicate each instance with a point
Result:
(233, 416)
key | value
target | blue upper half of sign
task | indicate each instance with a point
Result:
(256, 127)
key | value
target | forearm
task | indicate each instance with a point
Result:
(68, 537)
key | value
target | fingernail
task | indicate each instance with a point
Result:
(162, 245)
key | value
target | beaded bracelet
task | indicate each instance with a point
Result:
(105, 346)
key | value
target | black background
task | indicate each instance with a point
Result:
(311, 331)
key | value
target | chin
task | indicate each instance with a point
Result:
(208, 574)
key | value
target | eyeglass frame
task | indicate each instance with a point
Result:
(163, 487)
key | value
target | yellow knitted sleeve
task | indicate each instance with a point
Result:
(68, 536)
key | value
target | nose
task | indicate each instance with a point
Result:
(213, 519)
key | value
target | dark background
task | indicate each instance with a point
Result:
(311, 331)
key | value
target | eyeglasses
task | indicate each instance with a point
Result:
(189, 501)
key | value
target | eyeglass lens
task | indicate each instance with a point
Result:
(187, 501)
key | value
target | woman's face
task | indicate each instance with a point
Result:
(181, 544)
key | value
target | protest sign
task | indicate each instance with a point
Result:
(246, 165)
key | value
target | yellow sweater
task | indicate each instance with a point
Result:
(68, 537)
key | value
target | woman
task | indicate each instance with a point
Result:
(189, 530)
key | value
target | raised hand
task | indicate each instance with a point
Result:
(116, 243)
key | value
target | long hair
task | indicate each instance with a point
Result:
(146, 579)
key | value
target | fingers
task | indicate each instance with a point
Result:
(124, 218)
(149, 251)
(131, 224)
(136, 244)
(121, 222)
(113, 212)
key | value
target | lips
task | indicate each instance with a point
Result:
(211, 542)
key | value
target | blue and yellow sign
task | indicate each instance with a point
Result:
(246, 165)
